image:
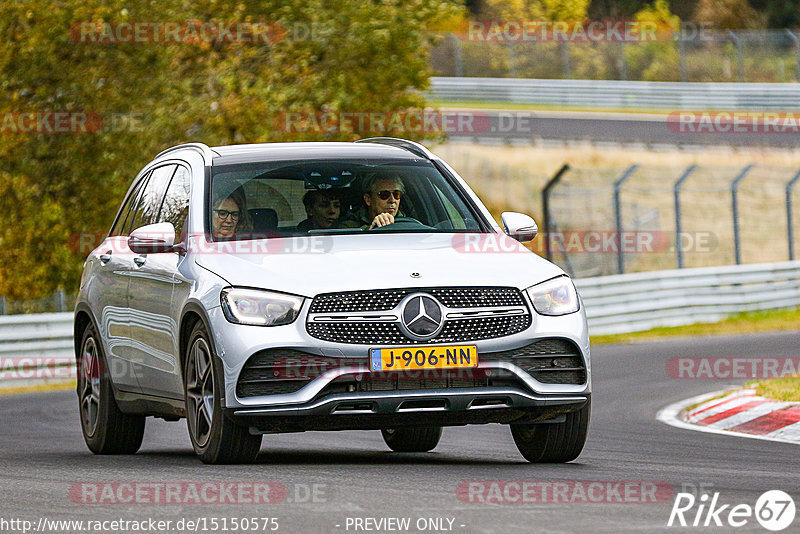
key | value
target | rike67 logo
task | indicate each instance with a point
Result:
(774, 510)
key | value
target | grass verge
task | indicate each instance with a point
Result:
(781, 389)
(740, 323)
(53, 386)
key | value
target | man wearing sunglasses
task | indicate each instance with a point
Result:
(382, 195)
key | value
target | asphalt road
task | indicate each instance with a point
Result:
(598, 127)
(42, 456)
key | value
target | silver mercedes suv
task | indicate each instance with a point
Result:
(256, 289)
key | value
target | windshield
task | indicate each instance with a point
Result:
(310, 197)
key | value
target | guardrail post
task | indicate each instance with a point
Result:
(623, 64)
(735, 206)
(565, 64)
(677, 193)
(61, 300)
(3, 305)
(618, 214)
(512, 69)
(682, 58)
(458, 60)
(789, 218)
(796, 42)
(737, 43)
(546, 208)
(507, 186)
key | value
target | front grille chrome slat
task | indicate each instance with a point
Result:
(470, 314)
(354, 318)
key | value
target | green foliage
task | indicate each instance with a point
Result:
(344, 55)
(658, 60)
(728, 15)
(572, 10)
(778, 13)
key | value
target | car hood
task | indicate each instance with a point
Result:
(321, 264)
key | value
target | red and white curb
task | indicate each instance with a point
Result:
(738, 412)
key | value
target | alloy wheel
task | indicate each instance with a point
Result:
(200, 391)
(90, 391)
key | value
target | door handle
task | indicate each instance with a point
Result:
(105, 258)
(140, 260)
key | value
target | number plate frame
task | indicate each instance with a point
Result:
(459, 357)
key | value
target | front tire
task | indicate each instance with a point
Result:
(106, 430)
(412, 439)
(553, 442)
(215, 438)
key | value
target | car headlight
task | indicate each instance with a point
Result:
(259, 308)
(554, 297)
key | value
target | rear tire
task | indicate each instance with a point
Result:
(215, 438)
(553, 442)
(412, 439)
(105, 428)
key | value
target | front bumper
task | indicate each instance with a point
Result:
(236, 343)
(372, 411)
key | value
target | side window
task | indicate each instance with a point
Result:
(175, 206)
(120, 225)
(146, 211)
(455, 219)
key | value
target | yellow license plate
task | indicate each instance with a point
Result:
(408, 358)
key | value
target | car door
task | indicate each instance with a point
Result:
(108, 294)
(154, 331)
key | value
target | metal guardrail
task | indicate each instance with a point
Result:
(640, 301)
(619, 94)
(35, 347)
(695, 53)
(614, 304)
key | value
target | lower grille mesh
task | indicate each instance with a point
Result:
(277, 371)
(550, 361)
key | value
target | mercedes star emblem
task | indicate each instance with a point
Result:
(421, 317)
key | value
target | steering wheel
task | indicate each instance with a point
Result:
(403, 223)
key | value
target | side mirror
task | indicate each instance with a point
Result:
(152, 238)
(519, 226)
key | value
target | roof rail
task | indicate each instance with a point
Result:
(200, 147)
(415, 148)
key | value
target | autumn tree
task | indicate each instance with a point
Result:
(343, 55)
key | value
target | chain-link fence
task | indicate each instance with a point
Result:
(602, 221)
(707, 56)
(59, 301)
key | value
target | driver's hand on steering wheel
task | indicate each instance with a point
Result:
(382, 219)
